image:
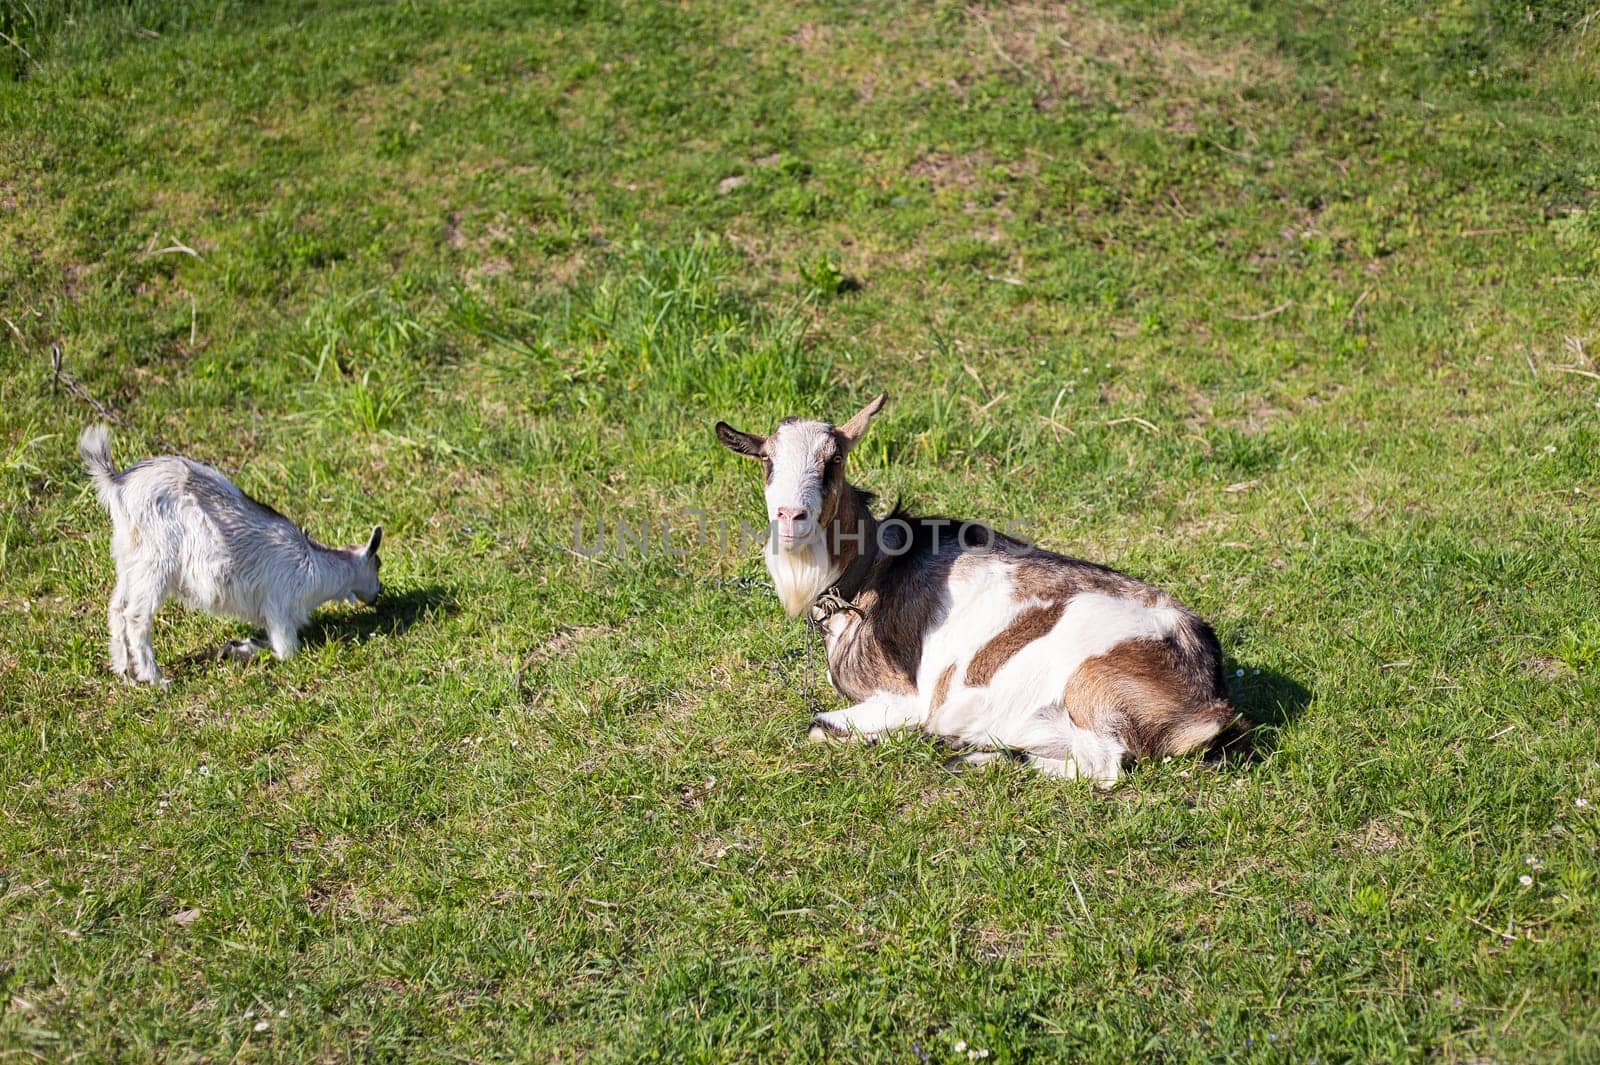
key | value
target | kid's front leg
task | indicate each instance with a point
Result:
(882, 713)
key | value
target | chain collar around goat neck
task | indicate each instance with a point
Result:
(839, 596)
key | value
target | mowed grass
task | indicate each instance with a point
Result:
(1291, 309)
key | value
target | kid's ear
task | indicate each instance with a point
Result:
(740, 443)
(372, 544)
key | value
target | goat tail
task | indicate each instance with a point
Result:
(94, 447)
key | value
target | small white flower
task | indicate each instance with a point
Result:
(961, 1046)
(1525, 880)
(1582, 804)
(262, 1026)
(249, 1013)
(1238, 672)
(204, 770)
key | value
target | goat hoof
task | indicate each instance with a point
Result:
(237, 650)
(823, 732)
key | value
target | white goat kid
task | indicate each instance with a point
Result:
(180, 529)
(985, 641)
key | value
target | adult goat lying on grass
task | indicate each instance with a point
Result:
(978, 638)
(181, 529)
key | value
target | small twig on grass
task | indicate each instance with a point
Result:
(1005, 280)
(1058, 427)
(1574, 369)
(13, 42)
(60, 377)
(587, 558)
(1507, 936)
(1279, 309)
(169, 249)
(151, 251)
(1076, 891)
(1306, 503)
(1062, 394)
(1505, 1027)
(1136, 420)
(988, 31)
(1502, 732)
(1356, 306)
(985, 408)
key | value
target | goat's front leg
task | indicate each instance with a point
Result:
(881, 714)
(284, 637)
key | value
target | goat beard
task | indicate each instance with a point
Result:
(800, 572)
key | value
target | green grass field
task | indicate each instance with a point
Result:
(1291, 308)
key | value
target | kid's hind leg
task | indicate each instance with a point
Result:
(138, 618)
(119, 627)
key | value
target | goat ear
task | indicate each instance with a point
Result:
(740, 443)
(372, 544)
(856, 427)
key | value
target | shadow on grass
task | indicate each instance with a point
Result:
(1270, 700)
(392, 615)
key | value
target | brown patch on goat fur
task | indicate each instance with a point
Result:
(1151, 694)
(1029, 625)
(941, 688)
(1051, 576)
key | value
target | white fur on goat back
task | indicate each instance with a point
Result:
(180, 529)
